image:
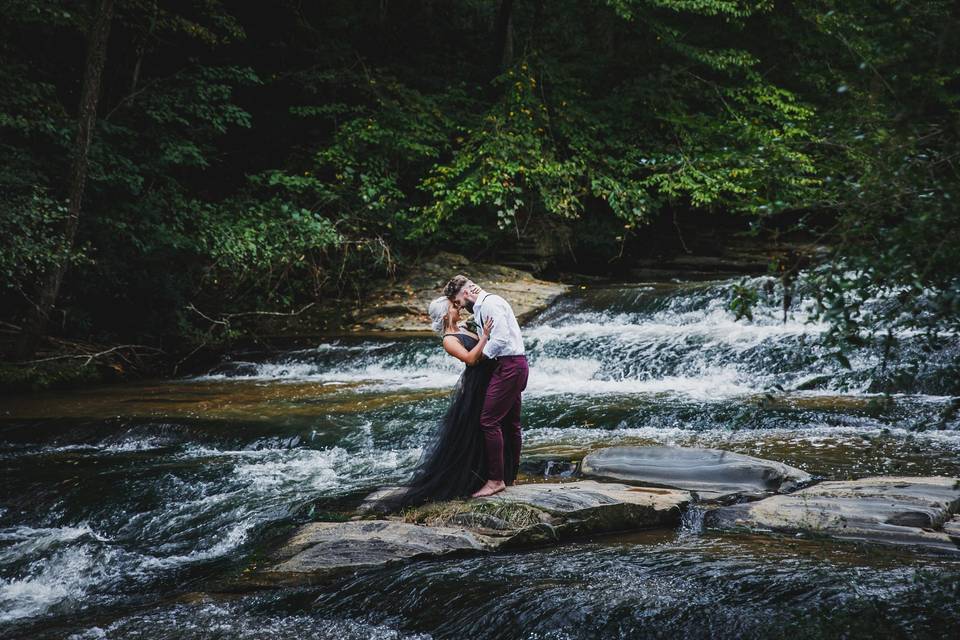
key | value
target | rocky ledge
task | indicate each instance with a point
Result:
(921, 513)
(712, 474)
(399, 307)
(520, 516)
(402, 306)
(916, 512)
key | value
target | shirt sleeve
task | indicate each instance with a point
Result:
(494, 307)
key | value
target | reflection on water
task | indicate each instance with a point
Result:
(211, 400)
(124, 508)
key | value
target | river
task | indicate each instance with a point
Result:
(125, 508)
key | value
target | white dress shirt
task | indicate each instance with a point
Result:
(505, 339)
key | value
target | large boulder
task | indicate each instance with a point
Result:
(886, 510)
(712, 474)
(402, 306)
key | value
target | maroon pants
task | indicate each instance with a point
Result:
(500, 417)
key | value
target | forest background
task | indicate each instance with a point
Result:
(160, 158)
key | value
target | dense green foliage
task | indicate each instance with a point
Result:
(260, 155)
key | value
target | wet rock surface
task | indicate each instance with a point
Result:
(520, 516)
(319, 546)
(582, 498)
(580, 508)
(712, 474)
(952, 529)
(918, 512)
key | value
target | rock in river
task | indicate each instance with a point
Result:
(579, 508)
(520, 516)
(952, 529)
(885, 510)
(712, 474)
(319, 546)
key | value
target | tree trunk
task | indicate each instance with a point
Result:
(503, 31)
(49, 288)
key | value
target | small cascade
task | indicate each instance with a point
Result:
(678, 339)
(691, 523)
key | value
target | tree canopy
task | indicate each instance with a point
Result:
(257, 155)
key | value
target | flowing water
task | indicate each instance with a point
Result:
(125, 508)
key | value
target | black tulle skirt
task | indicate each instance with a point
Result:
(453, 464)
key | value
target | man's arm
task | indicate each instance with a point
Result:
(496, 307)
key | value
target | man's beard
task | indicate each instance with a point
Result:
(468, 305)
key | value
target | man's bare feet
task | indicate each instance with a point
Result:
(490, 488)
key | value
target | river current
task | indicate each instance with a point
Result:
(125, 509)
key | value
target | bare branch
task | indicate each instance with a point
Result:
(269, 313)
(190, 307)
(91, 356)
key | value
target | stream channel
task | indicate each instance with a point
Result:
(124, 507)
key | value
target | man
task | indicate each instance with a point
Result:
(500, 416)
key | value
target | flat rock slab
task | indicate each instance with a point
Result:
(579, 499)
(712, 474)
(321, 546)
(887, 510)
(576, 509)
(521, 516)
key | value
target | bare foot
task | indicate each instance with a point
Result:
(490, 488)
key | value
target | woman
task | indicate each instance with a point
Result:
(453, 464)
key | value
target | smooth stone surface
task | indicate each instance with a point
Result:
(586, 506)
(576, 498)
(603, 505)
(885, 510)
(321, 546)
(712, 474)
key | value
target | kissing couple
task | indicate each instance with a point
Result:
(476, 448)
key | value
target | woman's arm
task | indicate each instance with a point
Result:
(455, 348)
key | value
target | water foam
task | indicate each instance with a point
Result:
(641, 341)
(55, 566)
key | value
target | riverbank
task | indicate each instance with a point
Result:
(62, 365)
(392, 309)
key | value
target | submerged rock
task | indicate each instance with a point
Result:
(520, 516)
(886, 510)
(712, 474)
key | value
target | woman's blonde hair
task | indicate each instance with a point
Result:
(438, 313)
